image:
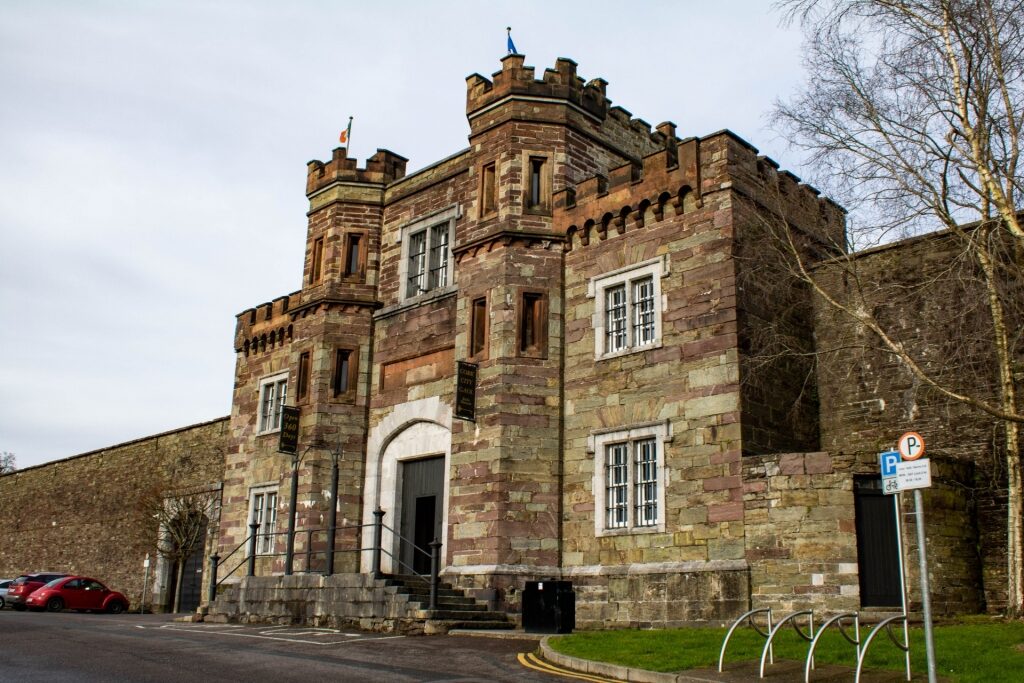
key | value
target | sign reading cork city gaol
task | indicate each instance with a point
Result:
(465, 391)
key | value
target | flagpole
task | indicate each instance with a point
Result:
(348, 135)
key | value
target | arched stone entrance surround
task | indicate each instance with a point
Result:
(412, 430)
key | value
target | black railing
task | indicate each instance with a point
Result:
(327, 565)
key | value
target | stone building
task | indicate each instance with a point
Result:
(604, 286)
(92, 513)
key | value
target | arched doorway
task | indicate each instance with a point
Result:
(407, 477)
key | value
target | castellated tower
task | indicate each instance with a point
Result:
(591, 275)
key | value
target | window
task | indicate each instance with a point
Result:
(488, 190)
(629, 479)
(538, 188)
(316, 261)
(345, 367)
(354, 254)
(426, 249)
(627, 316)
(533, 324)
(273, 392)
(263, 512)
(478, 327)
(303, 387)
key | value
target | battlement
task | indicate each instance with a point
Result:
(265, 326)
(678, 177)
(382, 168)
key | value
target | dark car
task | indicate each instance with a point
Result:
(26, 584)
(78, 593)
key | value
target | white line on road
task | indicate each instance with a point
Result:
(349, 638)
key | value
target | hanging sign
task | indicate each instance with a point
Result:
(289, 430)
(465, 391)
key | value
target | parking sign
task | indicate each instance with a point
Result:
(888, 461)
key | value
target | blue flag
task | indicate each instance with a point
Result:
(511, 45)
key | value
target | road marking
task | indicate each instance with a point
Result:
(213, 628)
(532, 661)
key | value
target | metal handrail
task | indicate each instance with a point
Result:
(887, 623)
(796, 627)
(378, 525)
(750, 617)
(838, 619)
(308, 553)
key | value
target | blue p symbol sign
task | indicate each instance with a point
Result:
(889, 461)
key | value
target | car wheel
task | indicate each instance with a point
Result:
(2, 603)
(116, 607)
(55, 604)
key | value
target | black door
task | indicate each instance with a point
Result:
(191, 578)
(422, 494)
(877, 546)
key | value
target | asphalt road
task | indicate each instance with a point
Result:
(70, 647)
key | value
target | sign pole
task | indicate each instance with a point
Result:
(903, 581)
(926, 605)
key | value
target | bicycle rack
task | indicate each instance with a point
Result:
(749, 616)
(855, 641)
(789, 617)
(887, 623)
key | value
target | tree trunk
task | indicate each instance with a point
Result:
(1015, 524)
(178, 581)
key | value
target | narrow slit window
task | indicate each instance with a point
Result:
(488, 190)
(417, 266)
(537, 198)
(478, 327)
(353, 255)
(316, 262)
(342, 380)
(304, 368)
(531, 323)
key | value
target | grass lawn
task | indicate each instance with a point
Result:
(975, 649)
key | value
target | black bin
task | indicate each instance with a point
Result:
(549, 607)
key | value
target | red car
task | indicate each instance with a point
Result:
(26, 584)
(78, 593)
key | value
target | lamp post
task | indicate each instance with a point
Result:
(332, 514)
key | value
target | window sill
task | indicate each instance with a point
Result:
(629, 351)
(635, 531)
(418, 300)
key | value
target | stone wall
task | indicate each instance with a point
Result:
(87, 514)
(929, 298)
(801, 540)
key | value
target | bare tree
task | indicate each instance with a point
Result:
(8, 463)
(183, 519)
(911, 116)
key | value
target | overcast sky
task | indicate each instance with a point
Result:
(153, 160)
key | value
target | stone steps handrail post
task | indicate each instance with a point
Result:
(211, 591)
(253, 529)
(435, 564)
(378, 533)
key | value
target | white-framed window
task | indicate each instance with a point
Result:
(427, 253)
(273, 394)
(263, 512)
(629, 479)
(627, 308)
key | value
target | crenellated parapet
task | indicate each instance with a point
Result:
(613, 204)
(559, 85)
(265, 327)
(678, 179)
(382, 168)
